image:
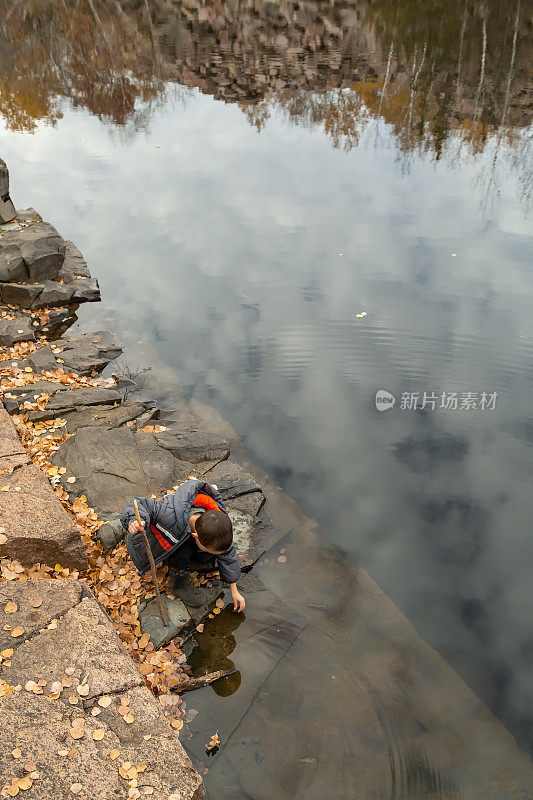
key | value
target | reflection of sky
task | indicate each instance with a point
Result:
(219, 250)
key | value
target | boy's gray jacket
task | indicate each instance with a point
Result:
(167, 527)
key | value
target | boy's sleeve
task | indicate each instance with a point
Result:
(228, 565)
(147, 511)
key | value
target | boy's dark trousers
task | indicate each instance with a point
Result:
(181, 558)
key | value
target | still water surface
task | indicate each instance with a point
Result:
(245, 180)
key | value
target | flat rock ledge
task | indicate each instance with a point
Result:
(67, 662)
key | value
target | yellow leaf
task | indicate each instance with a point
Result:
(114, 754)
(98, 734)
(16, 632)
(10, 607)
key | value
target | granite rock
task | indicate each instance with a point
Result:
(37, 527)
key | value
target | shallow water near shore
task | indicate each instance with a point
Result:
(281, 244)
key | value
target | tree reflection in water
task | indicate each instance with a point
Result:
(443, 76)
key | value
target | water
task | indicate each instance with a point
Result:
(244, 179)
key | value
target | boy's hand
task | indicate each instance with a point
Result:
(134, 527)
(238, 599)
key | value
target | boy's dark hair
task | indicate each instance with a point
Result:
(215, 530)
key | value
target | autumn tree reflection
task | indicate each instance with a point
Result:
(435, 71)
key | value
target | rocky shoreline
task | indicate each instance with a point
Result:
(73, 450)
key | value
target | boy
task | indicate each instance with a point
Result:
(190, 523)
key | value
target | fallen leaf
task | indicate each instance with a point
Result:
(30, 766)
(129, 718)
(220, 603)
(25, 783)
(37, 603)
(3, 538)
(76, 788)
(72, 479)
(114, 754)
(10, 607)
(105, 701)
(96, 711)
(7, 652)
(282, 559)
(76, 733)
(16, 632)
(16, 753)
(62, 752)
(361, 315)
(98, 734)
(216, 611)
(83, 689)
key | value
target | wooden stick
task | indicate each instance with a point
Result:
(163, 613)
(203, 680)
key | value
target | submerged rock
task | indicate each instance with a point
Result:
(246, 537)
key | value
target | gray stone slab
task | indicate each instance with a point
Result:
(85, 290)
(41, 248)
(74, 265)
(62, 402)
(232, 480)
(20, 295)
(194, 445)
(104, 416)
(19, 329)
(180, 622)
(53, 294)
(112, 466)
(15, 397)
(41, 360)
(37, 527)
(89, 352)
